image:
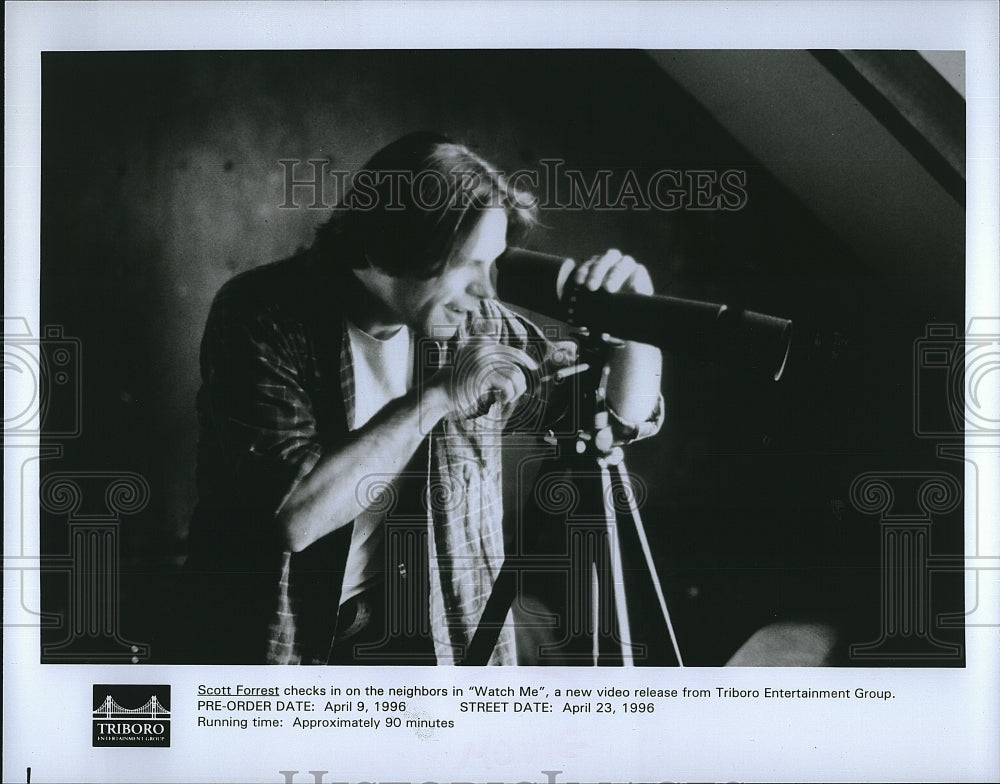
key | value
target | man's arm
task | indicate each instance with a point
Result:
(339, 487)
(635, 369)
(259, 423)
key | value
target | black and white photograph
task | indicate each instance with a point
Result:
(285, 295)
(584, 392)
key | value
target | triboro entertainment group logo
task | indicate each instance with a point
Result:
(131, 715)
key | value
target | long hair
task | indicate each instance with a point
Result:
(415, 203)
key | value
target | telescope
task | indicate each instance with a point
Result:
(540, 282)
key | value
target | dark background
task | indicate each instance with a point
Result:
(160, 180)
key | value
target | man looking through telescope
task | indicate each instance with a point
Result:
(322, 414)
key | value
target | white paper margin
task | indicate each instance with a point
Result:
(944, 724)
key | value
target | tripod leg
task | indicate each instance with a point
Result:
(629, 494)
(617, 570)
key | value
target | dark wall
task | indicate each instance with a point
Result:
(161, 179)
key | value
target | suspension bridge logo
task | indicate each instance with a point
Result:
(131, 715)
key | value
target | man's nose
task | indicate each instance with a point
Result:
(484, 285)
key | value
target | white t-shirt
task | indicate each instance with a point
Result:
(383, 371)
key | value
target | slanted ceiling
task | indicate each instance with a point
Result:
(840, 156)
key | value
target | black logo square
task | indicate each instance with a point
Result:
(131, 715)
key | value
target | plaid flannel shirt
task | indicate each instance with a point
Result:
(278, 390)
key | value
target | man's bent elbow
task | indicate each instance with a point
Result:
(296, 533)
(300, 528)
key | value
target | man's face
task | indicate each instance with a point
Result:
(437, 307)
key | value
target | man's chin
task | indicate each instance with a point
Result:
(445, 324)
(442, 331)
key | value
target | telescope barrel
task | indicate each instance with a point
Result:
(539, 282)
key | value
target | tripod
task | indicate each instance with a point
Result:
(604, 514)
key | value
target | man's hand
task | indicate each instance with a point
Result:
(613, 272)
(485, 372)
(635, 369)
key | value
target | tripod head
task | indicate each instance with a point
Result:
(595, 437)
